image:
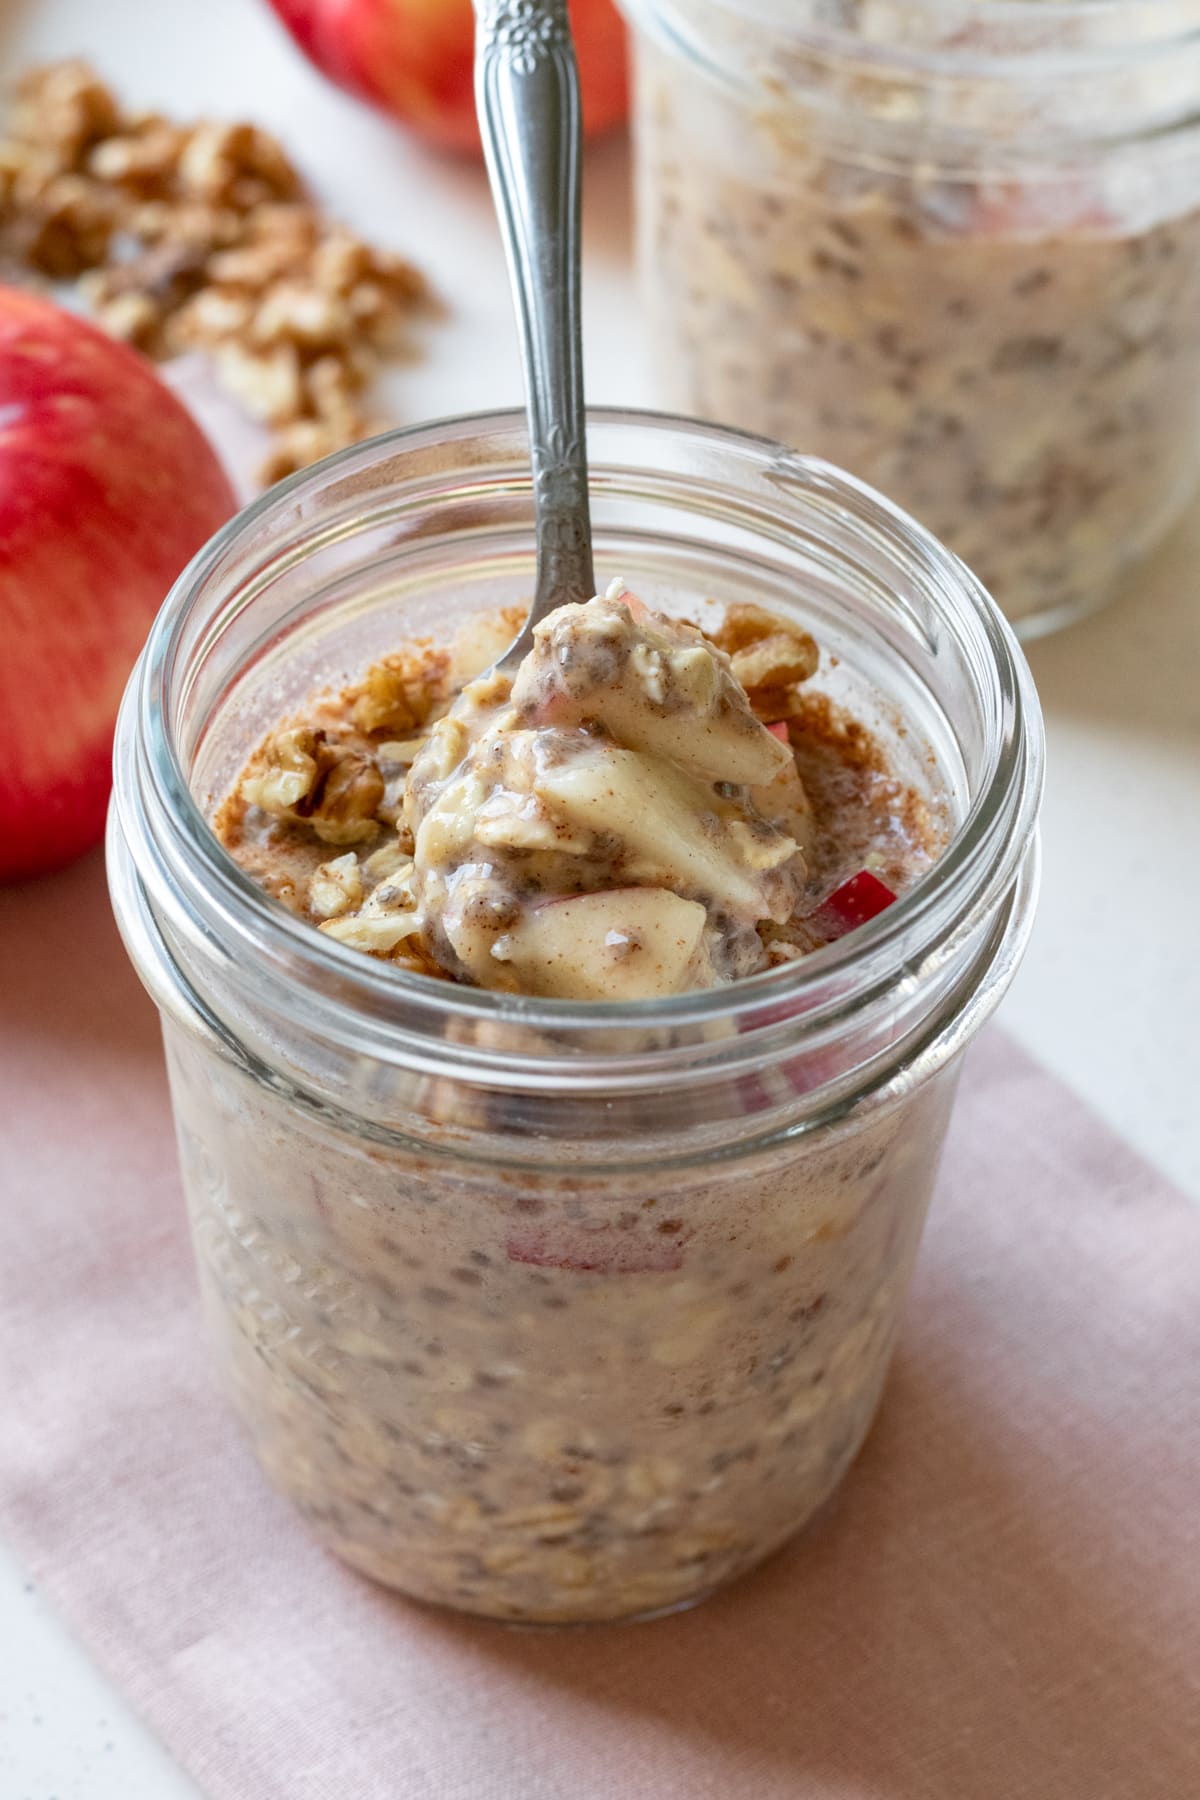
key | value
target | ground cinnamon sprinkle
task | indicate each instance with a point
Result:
(865, 816)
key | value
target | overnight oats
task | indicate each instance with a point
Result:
(561, 1058)
(954, 248)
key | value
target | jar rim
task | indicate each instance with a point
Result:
(1104, 30)
(976, 869)
(965, 73)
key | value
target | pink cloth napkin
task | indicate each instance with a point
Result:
(1003, 1604)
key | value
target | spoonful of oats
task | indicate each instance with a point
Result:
(583, 817)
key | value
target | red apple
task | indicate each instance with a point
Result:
(415, 59)
(107, 488)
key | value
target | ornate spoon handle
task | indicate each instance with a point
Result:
(527, 95)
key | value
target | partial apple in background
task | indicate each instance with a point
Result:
(107, 489)
(415, 59)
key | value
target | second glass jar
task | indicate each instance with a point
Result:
(953, 247)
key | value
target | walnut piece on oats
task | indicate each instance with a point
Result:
(771, 656)
(307, 777)
(344, 809)
(399, 693)
(388, 918)
(289, 776)
(766, 651)
(335, 887)
(377, 935)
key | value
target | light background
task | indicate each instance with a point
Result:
(1109, 996)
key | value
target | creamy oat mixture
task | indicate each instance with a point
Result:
(551, 1396)
(1017, 363)
(625, 818)
(559, 1393)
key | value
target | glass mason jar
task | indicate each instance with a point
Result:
(951, 245)
(537, 1309)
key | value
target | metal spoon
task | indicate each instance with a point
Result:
(527, 98)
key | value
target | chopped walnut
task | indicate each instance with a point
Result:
(331, 384)
(389, 918)
(778, 661)
(290, 774)
(132, 317)
(306, 442)
(772, 651)
(143, 162)
(209, 317)
(274, 243)
(202, 238)
(376, 934)
(770, 656)
(314, 779)
(134, 300)
(236, 165)
(187, 226)
(64, 106)
(344, 812)
(399, 694)
(336, 887)
(267, 384)
(59, 226)
(292, 312)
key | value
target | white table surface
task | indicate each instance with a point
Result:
(1101, 999)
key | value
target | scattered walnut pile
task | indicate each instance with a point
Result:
(202, 237)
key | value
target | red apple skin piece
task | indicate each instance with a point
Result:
(107, 489)
(597, 1253)
(861, 898)
(415, 60)
(780, 731)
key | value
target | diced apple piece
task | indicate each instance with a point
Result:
(779, 730)
(639, 612)
(861, 898)
(667, 693)
(620, 944)
(721, 745)
(659, 814)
